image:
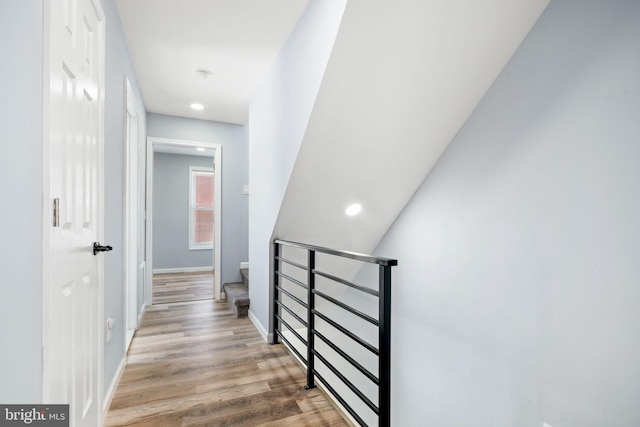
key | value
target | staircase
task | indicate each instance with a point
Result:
(237, 294)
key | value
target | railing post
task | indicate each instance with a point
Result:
(276, 268)
(311, 305)
(384, 340)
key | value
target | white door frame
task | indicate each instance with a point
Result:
(217, 208)
(131, 214)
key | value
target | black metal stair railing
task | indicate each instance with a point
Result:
(382, 322)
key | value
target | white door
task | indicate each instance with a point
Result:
(73, 132)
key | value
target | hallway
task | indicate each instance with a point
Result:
(181, 287)
(194, 364)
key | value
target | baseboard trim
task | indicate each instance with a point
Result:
(108, 397)
(261, 330)
(129, 333)
(144, 307)
(182, 270)
(244, 264)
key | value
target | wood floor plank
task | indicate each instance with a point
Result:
(172, 287)
(194, 364)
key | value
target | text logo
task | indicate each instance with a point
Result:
(34, 415)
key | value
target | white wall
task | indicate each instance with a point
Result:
(234, 176)
(403, 77)
(516, 300)
(21, 193)
(277, 121)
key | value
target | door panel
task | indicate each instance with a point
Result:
(73, 130)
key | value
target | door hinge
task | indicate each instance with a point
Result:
(56, 212)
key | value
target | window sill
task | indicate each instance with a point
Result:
(200, 248)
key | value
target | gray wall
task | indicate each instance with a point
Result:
(278, 118)
(171, 212)
(517, 296)
(234, 176)
(21, 246)
(21, 192)
(118, 66)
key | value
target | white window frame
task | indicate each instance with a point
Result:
(196, 246)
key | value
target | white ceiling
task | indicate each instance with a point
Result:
(235, 40)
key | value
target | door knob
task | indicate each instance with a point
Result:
(98, 248)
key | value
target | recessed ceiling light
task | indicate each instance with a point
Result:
(199, 149)
(353, 209)
(195, 106)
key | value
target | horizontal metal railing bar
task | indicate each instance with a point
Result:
(345, 254)
(347, 333)
(291, 347)
(293, 297)
(348, 358)
(347, 283)
(293, 331)
(291, 312)
(291, 279)
(382, 407)
(346, 382)
(350, 309)
(295, 264)
(339, 398)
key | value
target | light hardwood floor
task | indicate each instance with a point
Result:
(195, 364)
(177, 287)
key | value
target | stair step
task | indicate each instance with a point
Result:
(238, 298)
(244, 273)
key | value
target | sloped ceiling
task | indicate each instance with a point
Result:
(233, 41)
(403, 77)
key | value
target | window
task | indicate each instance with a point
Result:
(200, 208)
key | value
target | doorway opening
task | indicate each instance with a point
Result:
(186, 261)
